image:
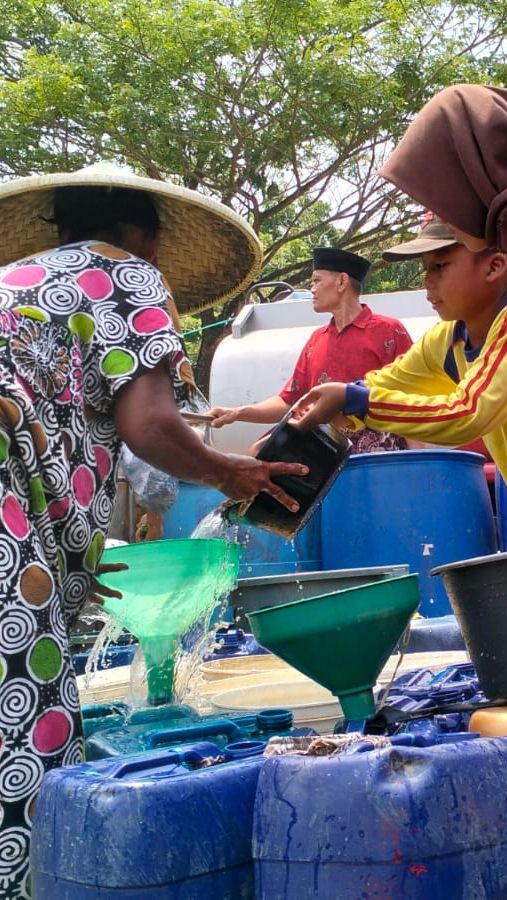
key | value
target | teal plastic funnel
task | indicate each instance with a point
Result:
(168, 586)
(343, 639)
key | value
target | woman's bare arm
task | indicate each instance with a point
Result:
(147, 419)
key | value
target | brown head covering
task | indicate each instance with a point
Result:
(453, 160)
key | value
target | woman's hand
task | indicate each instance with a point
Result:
(246, 477)
(320, 405)
(148, 420)
(97, 590)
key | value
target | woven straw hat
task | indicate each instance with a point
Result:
(207, 252)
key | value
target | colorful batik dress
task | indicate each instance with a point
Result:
(76, 324)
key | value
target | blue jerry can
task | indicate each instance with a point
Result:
(402, 822)
(149, 827)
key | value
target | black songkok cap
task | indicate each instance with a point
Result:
(341, 261)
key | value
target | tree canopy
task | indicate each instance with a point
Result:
(282, 109)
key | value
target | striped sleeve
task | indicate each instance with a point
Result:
(414, 396)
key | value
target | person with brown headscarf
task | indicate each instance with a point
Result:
(453, 160)
(450, 387)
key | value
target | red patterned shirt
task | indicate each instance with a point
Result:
(369, 342)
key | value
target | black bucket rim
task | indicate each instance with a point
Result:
(469, 563)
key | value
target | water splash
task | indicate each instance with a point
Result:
(188, 676)
(216, 526)
(107, 636)
(138, 691)
(191, 652)
(90, 618)
(187, 659)
(201, 637)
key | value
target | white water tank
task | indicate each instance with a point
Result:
(259, 356)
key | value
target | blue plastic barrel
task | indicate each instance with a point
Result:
(423, 508)
(264, 553)
(146, 828)
(418, 823)
(501, 509)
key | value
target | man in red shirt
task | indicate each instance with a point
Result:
(354, 341)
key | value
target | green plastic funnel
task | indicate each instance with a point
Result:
(342, 640)
(168, 586)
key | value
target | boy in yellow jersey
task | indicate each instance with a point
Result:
(451, 386)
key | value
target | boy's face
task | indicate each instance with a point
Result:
(456, 281)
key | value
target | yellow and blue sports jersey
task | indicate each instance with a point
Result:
(441, 391)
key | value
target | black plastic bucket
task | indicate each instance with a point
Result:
(323, 449)
(477, 590)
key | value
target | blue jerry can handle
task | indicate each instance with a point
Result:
(224, 727)
(143, 763)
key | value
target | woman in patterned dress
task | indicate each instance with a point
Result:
(88, 359)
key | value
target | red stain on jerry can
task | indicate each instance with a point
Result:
(417, 870)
